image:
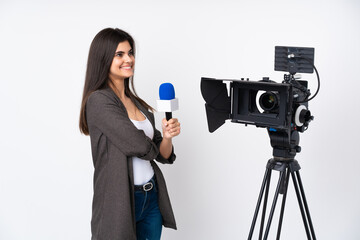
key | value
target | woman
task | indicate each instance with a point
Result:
(130, 196)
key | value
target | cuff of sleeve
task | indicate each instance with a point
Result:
(170, 160)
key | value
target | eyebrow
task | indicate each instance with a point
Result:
(131, 50)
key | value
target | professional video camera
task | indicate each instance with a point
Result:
(282, 108)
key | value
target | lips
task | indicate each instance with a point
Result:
(126, 67)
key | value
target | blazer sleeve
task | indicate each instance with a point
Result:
(105, 114)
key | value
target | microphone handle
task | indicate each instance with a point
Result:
(168, 116)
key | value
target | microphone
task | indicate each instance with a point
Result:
(167, 102)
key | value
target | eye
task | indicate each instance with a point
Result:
(119, 54)
(131, 53)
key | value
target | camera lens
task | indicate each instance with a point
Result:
(268, 101)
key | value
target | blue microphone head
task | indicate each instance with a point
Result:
(166, 91)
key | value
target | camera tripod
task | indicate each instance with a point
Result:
(286, 166)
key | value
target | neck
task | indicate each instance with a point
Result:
(118, 86)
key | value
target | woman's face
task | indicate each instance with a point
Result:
(123, 63)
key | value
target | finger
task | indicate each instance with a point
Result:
(173, 125)
(175, 133)
(165, 122)
(174, 130)
(170, 126)
(172, 120)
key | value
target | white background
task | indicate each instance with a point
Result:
(46, 165)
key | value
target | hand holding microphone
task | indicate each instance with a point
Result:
(168, 103)
(170, 128)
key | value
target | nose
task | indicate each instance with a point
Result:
(127, 58)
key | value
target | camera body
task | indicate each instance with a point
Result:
(266, 103)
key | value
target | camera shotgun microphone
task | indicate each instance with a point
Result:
(167, 102)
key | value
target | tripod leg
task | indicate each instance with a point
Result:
(265, 180)
(283, 203)
(305, 205)
(282, 175)
(264, 206)
(301, 205)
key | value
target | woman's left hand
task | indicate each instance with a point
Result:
(170, 128)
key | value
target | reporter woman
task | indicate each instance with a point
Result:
(130, 197)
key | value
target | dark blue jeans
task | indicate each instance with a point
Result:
(148, 216)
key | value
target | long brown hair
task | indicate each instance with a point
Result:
(101, 54)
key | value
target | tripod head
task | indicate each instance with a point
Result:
(285, 144)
